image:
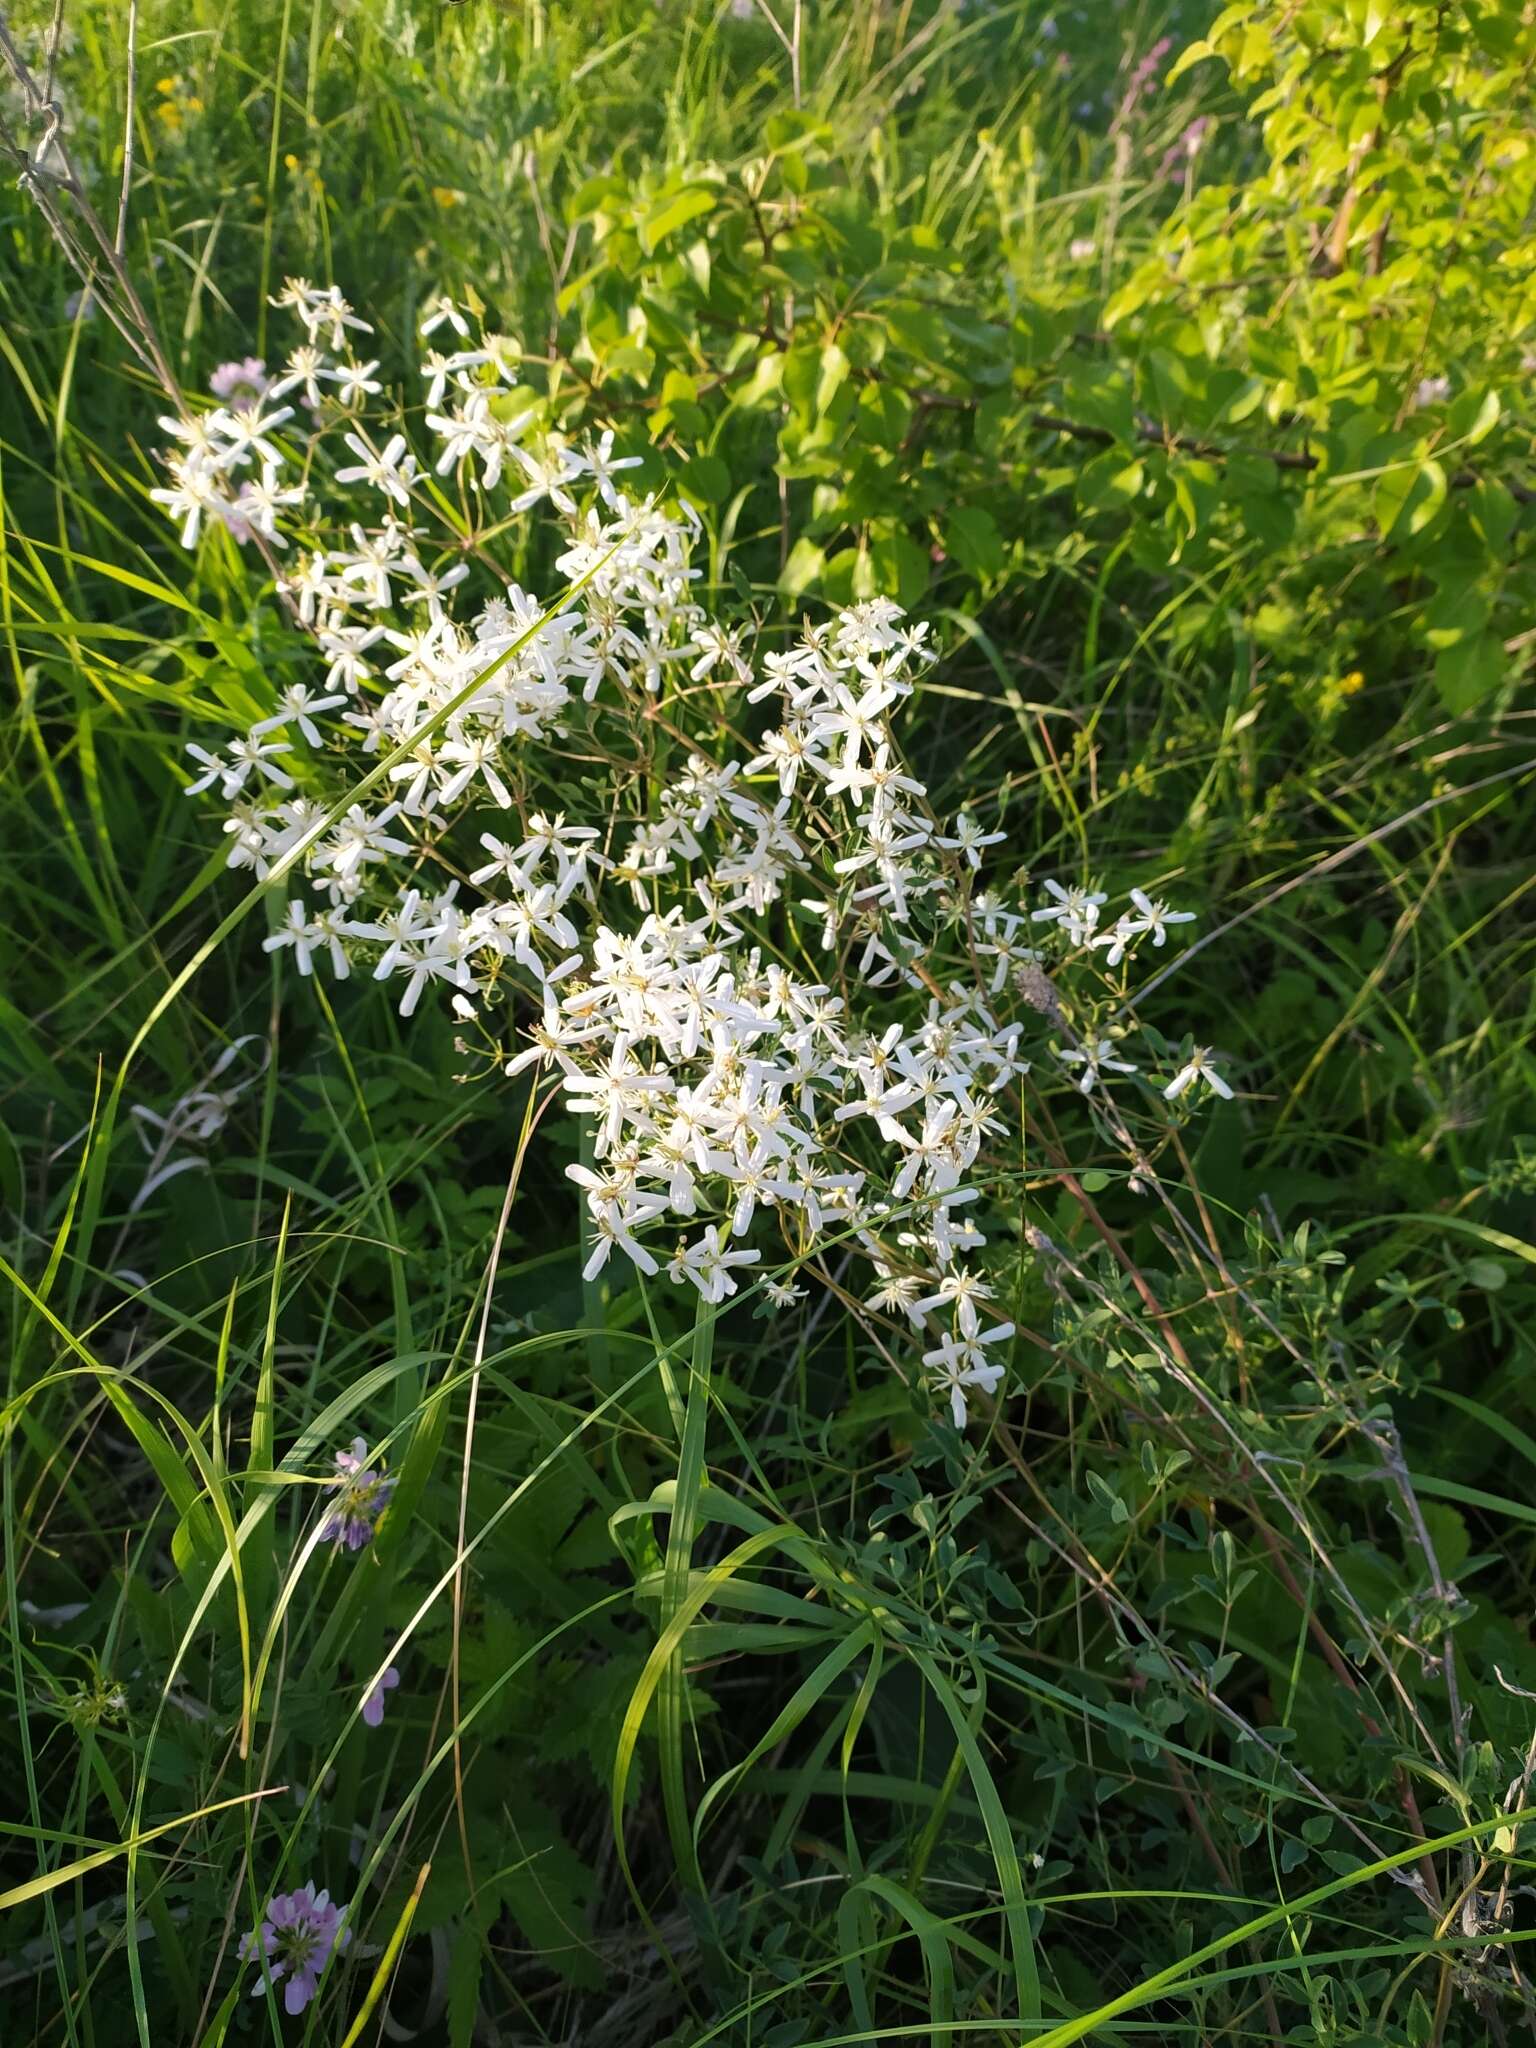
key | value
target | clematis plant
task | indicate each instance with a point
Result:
(784, 998)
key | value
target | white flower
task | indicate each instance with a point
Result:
(963, 1289)
(961, 1362)
(300, 705)
(248, 430)
(614, 1223)
(1096, 1060)
(193, 493)
(357, 840)
(302, 373)
(653, 937)
(708, 1265)
(306, 935)
(440, 310)
(1197, 1068)
(968, 839)
(602, 466)
(1118, 940)
(390, 469)
(1075, 910)
(548, 474)
(1156, 917)
(614, 1090)
(715, 648)
(899, 1293)
(355, 381)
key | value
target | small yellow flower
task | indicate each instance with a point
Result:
(1351, 684)
(166, 84)
(445, 196)
(290, 161)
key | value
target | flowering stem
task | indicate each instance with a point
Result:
(669, 1704)
(594, 1292)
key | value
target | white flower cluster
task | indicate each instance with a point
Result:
(763, 976)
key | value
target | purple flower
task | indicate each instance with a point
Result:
(1142, 79)
(361, 1497)
(1185, 150)
(295, 1941)
(1146, 70)
(373, 1706)
(240, 384)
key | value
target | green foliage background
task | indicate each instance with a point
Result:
(1186, 387)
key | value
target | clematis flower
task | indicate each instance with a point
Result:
(646, 955)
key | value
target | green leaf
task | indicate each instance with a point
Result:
(1100, 395)
(705, 479)
(899, 565)
(846, 576)
(1493, 513)
(1483, 424)
(1457, 611)
(1408, 497)
(465, 1961)
(834, 368)
(1194, 53)
(1469, 671)
(884, 416)
(1264, 499)
(1110, 481)
(665, 219)
(971, 536)
(592, 195)
(803, 567)
(801, 376)
(1496, 28)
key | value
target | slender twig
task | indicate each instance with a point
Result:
(790, 38)
(40, 179)
(121, 242)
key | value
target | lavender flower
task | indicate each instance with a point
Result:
(373, 1706)
(1186, 149)
(1143, 79)
(361, 1497)
(242, 385)
(296, 1938)
(1147, 69)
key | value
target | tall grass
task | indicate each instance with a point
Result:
(738, 1702)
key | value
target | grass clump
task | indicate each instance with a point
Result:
(443, 1594)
